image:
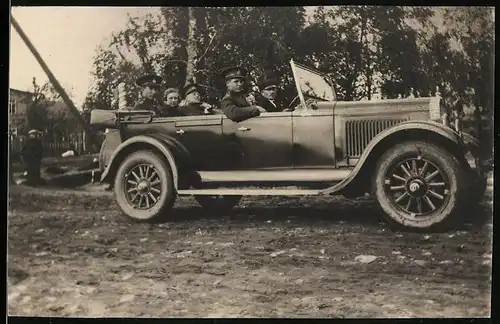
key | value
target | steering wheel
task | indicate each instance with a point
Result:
(310, 103)
(290, 104)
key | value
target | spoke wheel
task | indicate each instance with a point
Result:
(144, 187)
(419, 185)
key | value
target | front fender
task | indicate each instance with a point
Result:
(406, 130)
(174, 152)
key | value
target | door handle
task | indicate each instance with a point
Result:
(243, 129)
(180, 131)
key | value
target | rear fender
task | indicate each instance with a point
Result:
(358, 181)
(174, 152)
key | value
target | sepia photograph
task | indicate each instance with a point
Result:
(263, 162)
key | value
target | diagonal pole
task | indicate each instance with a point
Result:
(53, 80)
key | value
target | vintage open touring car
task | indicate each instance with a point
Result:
(404, 152)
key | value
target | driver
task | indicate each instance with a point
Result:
(268, 90)
(150, 84)
(234, 104)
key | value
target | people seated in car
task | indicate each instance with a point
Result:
(234, 104)
(192, 104)
(268, 91)
(171, 103)
(150, 84)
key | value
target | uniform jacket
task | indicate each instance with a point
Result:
(149, 104)
(237, 108)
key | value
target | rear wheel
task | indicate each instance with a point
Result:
(220, 203)
(419, 185)
(144, 187)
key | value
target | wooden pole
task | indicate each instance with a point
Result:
(52, 78)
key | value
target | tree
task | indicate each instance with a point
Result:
(37, 108)
(398, 54)
(46, 112)
(183, 43)
(331, 44)
(473, 30)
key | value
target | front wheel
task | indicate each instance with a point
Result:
(419, 185)
(144, 187)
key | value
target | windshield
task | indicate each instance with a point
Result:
(312, 83)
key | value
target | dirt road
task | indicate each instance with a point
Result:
(72, 255)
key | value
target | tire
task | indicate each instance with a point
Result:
(436, 193)
(219, 203)
(160, 187)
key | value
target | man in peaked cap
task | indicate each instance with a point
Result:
(150, 84)
(192, 104)
(234, 104)
(268, 87)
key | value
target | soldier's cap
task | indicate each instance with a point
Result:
(234, 72)
(149, 80)
(190, 88)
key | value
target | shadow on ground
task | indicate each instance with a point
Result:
(303, 210)
(336, 211)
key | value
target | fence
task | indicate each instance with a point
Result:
(54, 146)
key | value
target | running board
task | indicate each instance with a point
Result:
(248, 192)
(283, 175)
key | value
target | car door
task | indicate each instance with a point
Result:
(201, 135)
(313, 138)
(261, 142)
(203, 138)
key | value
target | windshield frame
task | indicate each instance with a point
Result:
(300, 92)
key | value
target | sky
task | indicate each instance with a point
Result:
(66, 38)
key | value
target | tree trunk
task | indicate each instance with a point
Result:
(191, 48)
(365, 54)
(360, 58)
(368, 73)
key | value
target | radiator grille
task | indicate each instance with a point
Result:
(359, 133)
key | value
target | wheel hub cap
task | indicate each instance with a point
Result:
(143, 186)
(416, 187)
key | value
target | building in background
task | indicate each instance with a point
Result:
(61, 131)
(18, 110)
